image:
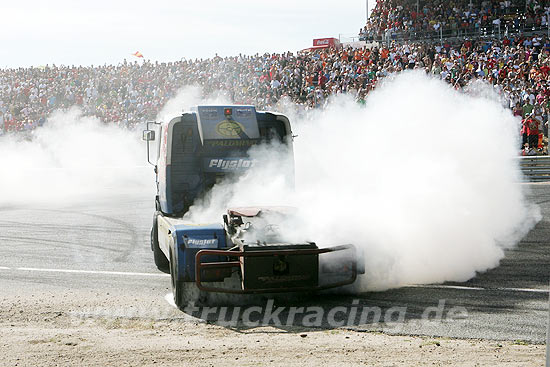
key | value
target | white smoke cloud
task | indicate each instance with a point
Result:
(75, 158)
(72, 158)
(424, 179)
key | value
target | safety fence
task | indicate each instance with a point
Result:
(536, 168)
(512, 25)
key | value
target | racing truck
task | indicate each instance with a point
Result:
(246, 252)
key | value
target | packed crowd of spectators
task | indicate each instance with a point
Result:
(129, 93)
(428, 19)
(123, 94)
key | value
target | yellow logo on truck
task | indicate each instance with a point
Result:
(230, 129)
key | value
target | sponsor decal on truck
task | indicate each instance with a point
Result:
(227, 164)
(201, 242)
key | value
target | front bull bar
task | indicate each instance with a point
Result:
(199, 266)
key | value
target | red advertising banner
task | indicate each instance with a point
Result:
(326, 42)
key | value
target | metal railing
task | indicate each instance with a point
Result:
(446, 32)
(536, 168)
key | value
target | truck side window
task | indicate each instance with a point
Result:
(187, 140)
(271, 133)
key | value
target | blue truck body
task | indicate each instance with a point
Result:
(190, 239)
(195, 151)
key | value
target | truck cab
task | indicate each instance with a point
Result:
(204, 145)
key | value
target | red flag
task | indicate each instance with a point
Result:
(138, 54)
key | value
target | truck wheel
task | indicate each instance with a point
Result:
(185, 292)
(160, 259)
(178, 287)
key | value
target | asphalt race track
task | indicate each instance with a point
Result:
(96, 256)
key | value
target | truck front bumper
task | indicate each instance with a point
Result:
(279, 270)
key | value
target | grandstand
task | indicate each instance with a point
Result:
(405, 20)
(505, 43)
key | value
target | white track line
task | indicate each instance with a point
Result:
(532, 290)
(95, 272)
(527, 290)
(447, 287)
(128, 273)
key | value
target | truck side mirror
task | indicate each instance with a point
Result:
(149, 135)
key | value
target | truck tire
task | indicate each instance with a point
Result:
(178, 287)
(185, 292)
(160, 259)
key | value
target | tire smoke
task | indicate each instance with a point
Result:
(71, 159)
(423, 179)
